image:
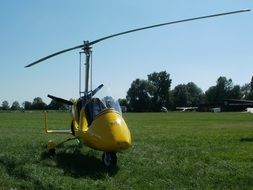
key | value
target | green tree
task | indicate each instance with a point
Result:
(187, 95)
(123, 102)
(38, 104)
(140, 95)
(15, 106)
(210, 95)
(245, 90)
(234, 93)
(224, 89)
(161, 83)
(27, 105)
(55, 105)
(195, 94)
(180, 95)
(5, 105)
(250, 95)
(251, 84)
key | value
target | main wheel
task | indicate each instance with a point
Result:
(51, 148)
(109, 159)
(72, 128)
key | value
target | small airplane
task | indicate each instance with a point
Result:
(99, 123)
(183, 109)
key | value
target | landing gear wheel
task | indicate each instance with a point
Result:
(109, 159)
(51, 151)
(72, 128)
(51, 148)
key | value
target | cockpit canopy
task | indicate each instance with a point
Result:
(94, 106)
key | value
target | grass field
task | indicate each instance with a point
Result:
(170, 151)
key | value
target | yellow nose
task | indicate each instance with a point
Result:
(120, 132)
(108, 132)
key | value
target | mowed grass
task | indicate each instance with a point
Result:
(170, 151)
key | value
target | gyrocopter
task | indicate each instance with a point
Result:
(98, 123)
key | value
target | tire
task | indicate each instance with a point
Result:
(72, 128)
(109, 159)
(51, 152)
(51, 148)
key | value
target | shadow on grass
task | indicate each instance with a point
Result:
(15, 168)
(246, 139)
(78, 165)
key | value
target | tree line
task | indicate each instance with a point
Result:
(36, 104)
(153, 93)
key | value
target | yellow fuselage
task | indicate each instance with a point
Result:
(107, 132)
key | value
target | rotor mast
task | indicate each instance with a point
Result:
(87, 51)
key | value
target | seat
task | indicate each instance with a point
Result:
(93, 108)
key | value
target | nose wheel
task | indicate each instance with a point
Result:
(109, 159)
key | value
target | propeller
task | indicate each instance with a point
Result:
(87, 44)
(93, 92)
(67, 102)
(90, 94)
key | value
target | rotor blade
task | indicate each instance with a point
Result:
(60, 100)
(52, 55)
(167, 23)
(134, 30)
(96, 90)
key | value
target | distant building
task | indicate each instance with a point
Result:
(237, 105)
(250, 110)
(227, 105)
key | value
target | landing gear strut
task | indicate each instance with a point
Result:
(109, 159)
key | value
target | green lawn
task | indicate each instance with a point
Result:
(170, 151)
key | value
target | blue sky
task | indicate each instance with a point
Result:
(198, 51)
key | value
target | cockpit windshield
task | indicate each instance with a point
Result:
(96, 106)
(98, 103)
(109, 102)
(108, 98)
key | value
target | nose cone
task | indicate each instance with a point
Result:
(124, 144)
(108, 132)
(121, 134)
